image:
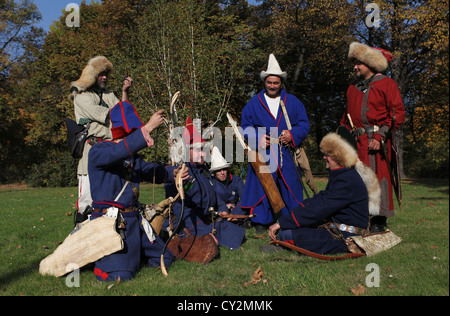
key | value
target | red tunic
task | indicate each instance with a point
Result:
(370, 107)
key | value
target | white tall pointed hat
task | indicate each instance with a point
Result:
(217, 160)
(273, 69)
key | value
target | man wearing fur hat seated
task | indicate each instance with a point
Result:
(92, 103)
(376, 111)
(229, 188)
(321, 224)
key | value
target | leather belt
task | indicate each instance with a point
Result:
(367, 130)
(126, 210)
(346, 228)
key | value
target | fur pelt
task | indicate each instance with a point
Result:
(346, 156)
(89, 75)
(371, 57)
(373, 187)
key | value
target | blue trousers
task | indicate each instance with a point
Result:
(137, 250)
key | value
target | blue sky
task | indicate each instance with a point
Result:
(51, 10)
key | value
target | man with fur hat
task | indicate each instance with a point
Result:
(200, 195)
(115, 172)
(92, 103)
(229, 188)
(321, 224)
(376, 111)
(267, 131)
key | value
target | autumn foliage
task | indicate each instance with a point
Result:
(212, 52)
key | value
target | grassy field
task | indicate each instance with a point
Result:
(35, 221)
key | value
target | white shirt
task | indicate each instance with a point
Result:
(274, 104)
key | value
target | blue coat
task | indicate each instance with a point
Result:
(108, 171)
(344, 201)
(110, 165)
(257, 120)
(229, 191)
(200, 197)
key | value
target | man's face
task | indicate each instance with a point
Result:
(102, 80)
(273, 86)
(362, 71)
(330, 164)
(222, 174)
(197, 155)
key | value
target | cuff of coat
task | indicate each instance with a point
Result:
(147, 137)
(378, 137)
(292, 138)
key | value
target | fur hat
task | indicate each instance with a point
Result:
(124, 120)
(89, 75)
(375, 58)
(273, 69)
(217, 161)
(346, 156)
(339, 150)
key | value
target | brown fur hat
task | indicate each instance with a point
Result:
(346, 156)
(374, 58)
(89, 75)
(339, 150)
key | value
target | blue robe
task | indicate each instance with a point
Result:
(200, 197)
(257, 120)
(344, 201)
(229, 191)
(109, 164)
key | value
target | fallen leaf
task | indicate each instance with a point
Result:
(257, 276)
(359, 291)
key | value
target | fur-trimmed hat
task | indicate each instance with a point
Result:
(346, 156)
(124, 120)
(273, 69)
(217, 161)
(339, 150)
(88, 78)
(375, 58)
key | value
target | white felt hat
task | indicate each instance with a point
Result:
(273, 69)
(217, 161)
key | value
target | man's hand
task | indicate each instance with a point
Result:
(127, 83)
(185, 174)
(374, 145)
(155, 121)
(285, 137)
(273, 230)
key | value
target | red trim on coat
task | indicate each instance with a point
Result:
(101, 274)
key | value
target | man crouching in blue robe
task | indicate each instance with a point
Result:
(201, 197)
(115, 171)
(322, 223)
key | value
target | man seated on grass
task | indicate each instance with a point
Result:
(322, 223)
(115, 171)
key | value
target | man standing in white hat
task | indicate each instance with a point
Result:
(376, 110)
(92, 103)
(264, 124)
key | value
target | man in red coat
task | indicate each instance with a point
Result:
(375, 111)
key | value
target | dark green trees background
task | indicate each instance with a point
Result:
(212, 52)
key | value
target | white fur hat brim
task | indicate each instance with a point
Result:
(371, 57)
(339, 150)
(273, 69)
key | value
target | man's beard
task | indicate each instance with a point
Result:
(102, 84)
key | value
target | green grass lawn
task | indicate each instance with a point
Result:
(35, 221)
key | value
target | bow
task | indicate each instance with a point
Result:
(172, 124)
(180, 189)
(261, 169)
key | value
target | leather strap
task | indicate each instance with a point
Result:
(316, 255)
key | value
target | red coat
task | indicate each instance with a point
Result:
(376, 106)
